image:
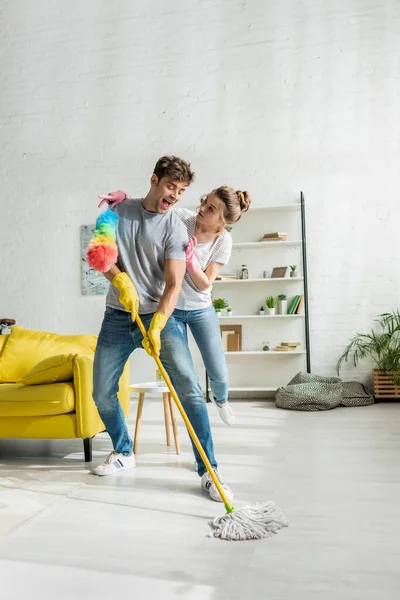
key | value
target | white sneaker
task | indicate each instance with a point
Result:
(207, 485)
(225, 411)
(115, 463)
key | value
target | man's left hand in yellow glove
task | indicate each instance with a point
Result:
(152, 342)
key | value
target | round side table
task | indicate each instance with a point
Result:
(152, 388)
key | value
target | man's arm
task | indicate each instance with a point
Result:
(174, 273)
(112, 273)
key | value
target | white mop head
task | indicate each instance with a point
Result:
(252, 522)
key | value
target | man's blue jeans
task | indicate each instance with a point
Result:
(204, 325)
(118, 337)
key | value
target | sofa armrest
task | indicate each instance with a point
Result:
(87, 417)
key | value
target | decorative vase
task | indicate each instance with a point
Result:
(270, 311)
(282, 307)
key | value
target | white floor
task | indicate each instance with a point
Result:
(66, 534)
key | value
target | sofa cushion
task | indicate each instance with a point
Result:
(18, 400)
(3, 340)
(25, 348)
(50, 370)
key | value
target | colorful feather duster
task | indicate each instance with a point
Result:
(102, 252)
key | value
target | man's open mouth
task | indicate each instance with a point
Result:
(165, 204)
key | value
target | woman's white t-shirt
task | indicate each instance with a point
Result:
(190, 297)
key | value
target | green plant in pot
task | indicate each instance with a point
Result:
(282, 304)
(382, 344)
(270, 301)
(293, 272)
(220, 304)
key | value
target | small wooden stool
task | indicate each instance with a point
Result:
(151, 388)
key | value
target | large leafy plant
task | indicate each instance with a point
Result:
(382, 344)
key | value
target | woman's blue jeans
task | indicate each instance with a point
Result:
(204, 325)
(118, 337)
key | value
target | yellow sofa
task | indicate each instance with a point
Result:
(63, 406)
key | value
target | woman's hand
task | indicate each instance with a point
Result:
(114, 198)
(192, 262)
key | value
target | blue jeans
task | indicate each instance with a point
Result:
(118, 337)
(204, 325)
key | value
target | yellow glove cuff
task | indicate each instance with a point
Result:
(158, 321)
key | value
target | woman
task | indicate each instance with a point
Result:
(208, 250)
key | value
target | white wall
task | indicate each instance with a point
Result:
(273, 96)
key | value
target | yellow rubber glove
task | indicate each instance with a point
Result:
(152, 342)
(128, 295)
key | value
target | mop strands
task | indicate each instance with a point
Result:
(252, 522)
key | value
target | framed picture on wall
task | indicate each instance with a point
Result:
(279, 272)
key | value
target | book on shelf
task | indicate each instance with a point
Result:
(224, 335)
(275, 236)
(286, 348)
(291, 344)
(233, 342)
(300, 305)
(294, 304)
(226, 276)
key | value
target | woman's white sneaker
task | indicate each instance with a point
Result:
(115, 463)
(225, 411)
(207, 485)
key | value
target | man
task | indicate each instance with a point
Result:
(147, 279)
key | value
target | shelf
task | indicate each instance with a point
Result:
(255, 208)
(270, 279)
(274, 207)
(264, 244)
(262, 317)
(266, 352)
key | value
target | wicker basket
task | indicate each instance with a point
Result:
(384, 388)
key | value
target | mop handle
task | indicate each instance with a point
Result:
(192, 432)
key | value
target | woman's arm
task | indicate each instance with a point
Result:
(203, 279)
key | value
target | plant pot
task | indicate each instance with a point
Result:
(261, 312)
(282, 307)
(219, 312)
(293, 273)
(383, 386)
(229, 313)
(270, 311)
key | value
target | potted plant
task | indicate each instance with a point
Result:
(271, 303)
(382, 344)
(282, 304)
(261, 311)
(293, 272)
(229, 312)
(220, 304)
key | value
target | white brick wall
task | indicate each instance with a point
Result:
(272, 96)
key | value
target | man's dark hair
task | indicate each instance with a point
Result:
(174, 167)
